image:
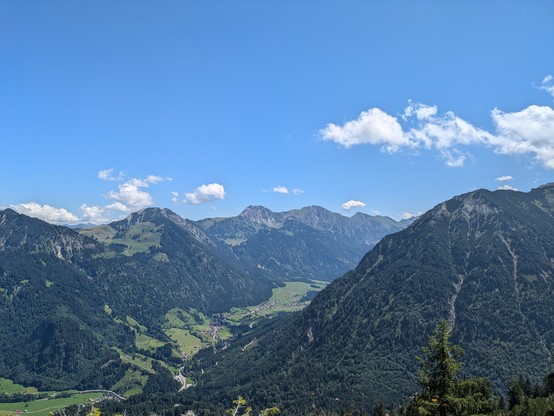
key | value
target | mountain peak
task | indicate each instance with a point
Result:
(259, 215)
(255, 210)
(9, 213)
(547, 185)
(149, 214)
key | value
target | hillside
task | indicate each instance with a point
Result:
(483, 260)
(72, 305)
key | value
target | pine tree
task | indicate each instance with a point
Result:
(442, 393)
(440, 364)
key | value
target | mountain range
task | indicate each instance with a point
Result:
(483, 261)
(72, 300)
(311, 242)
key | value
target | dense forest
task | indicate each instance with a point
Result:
(441, 392)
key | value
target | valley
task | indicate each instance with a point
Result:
(164, 311)
(189, 331)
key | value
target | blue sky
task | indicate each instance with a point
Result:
(206, 107)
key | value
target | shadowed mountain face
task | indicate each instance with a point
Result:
(311, 242)
(64, 295)
(483, 260)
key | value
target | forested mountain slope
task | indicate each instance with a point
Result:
(65, 297)
(483, 260)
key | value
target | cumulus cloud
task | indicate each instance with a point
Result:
(347, 206)
(408, 215)
(94, 214)
(175, 197)
(507, 188)
(297, 191)
(504, 178)
(425, 129)
(526, 132)
(421, 111)
(529, 131)
(131, 194)
(373, 126)
(46, 213)
(205, 193)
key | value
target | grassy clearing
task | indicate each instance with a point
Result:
(144, 342)
(44, 407)
(283, 299)
(188, 343)
(9, 387)
(132, 383)
(138, 239)
(137, 360)
(224, 333)
(191, 330)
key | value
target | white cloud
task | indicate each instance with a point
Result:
(284, 190)
(453, 157)
(281, 189)
(430, 130)
(132, 196)
(421, 111)
(352, 204)
(547, 85)
(94, 214)
(527, 132)
(45, 212)
(129, 197)
(408, 215)
(507, 188)
(118, 206)
(106, 175)
(504, 178)
(373, 126)
(175, 197)
(205, 193)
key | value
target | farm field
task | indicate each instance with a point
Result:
(45, 406)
